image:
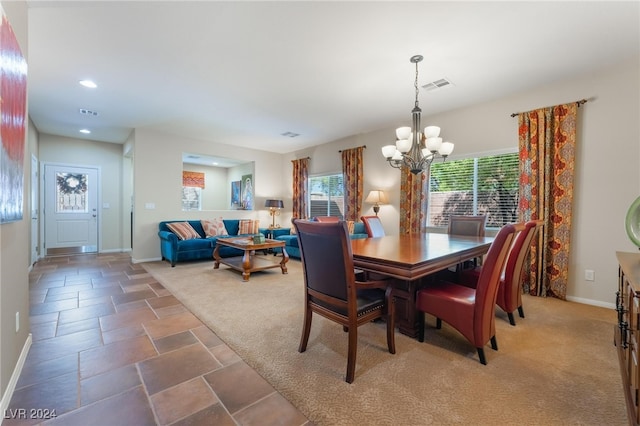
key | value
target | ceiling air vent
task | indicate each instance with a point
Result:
(436, 85)
(290, 134)
(88, 112)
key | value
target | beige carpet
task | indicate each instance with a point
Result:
(557, 366)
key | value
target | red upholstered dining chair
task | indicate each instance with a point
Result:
(468, 225)
(469, 310)
(373, 225)
(332, 290)
(510, 289)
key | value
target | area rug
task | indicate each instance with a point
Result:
(556, 366)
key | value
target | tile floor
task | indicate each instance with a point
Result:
(111, 346)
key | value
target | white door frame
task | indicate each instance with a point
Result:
(35, 210)
(98, 188)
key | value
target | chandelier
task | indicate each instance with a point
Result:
(414, 149)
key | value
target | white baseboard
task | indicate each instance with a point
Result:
(591, 302)
(8, 394)
(120, 250)
(153, 259)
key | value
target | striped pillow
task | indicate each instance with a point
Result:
(183, 230)
(248, 226)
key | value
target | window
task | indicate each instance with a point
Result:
(326, 196)
(484, 185)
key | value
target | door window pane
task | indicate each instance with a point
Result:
(71, 196)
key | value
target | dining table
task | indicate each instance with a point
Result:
(410, 262)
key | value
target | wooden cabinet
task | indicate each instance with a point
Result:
(627, 331)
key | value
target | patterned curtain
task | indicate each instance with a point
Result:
(547, 144)
(353, 176)
(300, 179)
(413, 201)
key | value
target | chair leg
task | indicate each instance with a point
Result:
(306, 329)
(521, 311)
(512, 321)
(421, 326)
(438, 323)
(391, 326)
(483, 360)
(494, 343)
(351, 357)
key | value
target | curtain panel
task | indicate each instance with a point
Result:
(352, 172)
(300, 183)
(547, 145)
(413, 201)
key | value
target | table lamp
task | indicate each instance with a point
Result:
(274, 210)
(376, 197)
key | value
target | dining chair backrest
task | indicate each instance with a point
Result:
(330, 219)
(373, 225)
(467, 225)
(326, 256)
(489, 278)
(511, 287)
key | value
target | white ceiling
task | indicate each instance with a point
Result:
(243, 73)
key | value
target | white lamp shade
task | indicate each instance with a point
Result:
(403, 132)
(433, 144)
(426, 153)
(431, 132)
(388, 151)
(403, 145)
(376, 197)
(397, 156)
(446, 149)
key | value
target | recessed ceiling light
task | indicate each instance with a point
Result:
(88, 83)
(85, 131)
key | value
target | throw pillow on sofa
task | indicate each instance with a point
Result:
(183, 230)
(214, 227)
(248, 226)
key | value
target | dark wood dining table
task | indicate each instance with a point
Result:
(410, 261)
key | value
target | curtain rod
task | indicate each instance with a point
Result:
(578, 103)
(363, 146)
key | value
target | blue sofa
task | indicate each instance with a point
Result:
(173, 249)
(291, 241)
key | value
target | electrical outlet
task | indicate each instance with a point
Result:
(17, 321)
(589, 275)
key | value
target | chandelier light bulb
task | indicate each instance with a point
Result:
(446, 149)
(431, 132)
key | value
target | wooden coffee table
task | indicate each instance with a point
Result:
(248, 262)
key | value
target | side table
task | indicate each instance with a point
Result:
(273, 233)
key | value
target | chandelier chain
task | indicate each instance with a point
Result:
(415, 84)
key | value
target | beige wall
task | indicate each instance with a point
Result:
(108, 158)
(607, 176)
(157, 176)
(15, 251)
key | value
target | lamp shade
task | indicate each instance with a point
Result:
(376, 197)
(276, 204)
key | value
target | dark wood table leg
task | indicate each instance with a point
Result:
(283, 262)
(246, 265)
(216, 257)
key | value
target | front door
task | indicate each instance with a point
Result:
(71, 209)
